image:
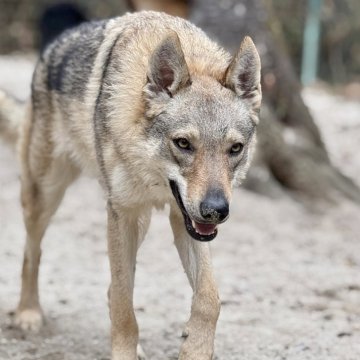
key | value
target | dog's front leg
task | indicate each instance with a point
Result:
(195, 256)
(125, 233)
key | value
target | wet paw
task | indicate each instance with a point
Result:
(28, 319)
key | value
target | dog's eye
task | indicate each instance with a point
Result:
(183, 144)
(236, 149)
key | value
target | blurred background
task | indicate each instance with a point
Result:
(339, 55)
(288, 260)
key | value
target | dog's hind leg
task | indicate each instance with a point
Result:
(44, 180)
(199, 333)
(40, 198)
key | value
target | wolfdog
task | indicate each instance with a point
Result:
(160, 114)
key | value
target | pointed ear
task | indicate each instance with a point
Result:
(243, 73)
(168, 71)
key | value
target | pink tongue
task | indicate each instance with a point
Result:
(205, 229)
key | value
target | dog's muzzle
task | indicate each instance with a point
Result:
(198, 231)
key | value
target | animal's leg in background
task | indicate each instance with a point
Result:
(195, 256)
(41, 194)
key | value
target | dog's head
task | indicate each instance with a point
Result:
(204, 128)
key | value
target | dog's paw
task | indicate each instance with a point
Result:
(29, 319)
(140, 353)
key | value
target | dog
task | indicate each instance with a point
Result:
(159, 114)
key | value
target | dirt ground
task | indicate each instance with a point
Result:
(288, 276)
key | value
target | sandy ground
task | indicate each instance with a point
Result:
(289, 277)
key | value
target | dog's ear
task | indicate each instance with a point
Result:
(168, 71)
(243, 73)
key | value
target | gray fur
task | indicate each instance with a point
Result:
(101, 130)
(70, 58)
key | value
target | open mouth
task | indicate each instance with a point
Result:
(198, 231)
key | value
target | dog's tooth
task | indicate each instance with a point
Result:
(215, 228)
(193, 223)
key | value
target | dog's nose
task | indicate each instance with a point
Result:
(214, 207)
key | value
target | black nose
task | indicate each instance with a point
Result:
(214, 207)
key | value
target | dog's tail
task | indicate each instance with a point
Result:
(12, 114)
